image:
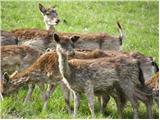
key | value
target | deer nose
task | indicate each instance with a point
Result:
(58, 20)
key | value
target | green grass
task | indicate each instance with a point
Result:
(139, 20)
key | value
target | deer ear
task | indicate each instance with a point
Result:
(42, 8)
(13, 74)
(74, 38)
(56, 38)
(54, 7)
(6, 77)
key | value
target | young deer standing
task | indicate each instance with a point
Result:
(100, 77)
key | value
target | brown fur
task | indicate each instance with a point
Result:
(27, 34)
(24, 34)
(46, 63)
(87, 40)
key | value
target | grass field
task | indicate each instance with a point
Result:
(139, 20)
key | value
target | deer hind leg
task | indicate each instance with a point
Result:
(29, 93)
(43, 92)
(135, 107)
(51, 88)
(1, 97)
(149, 109)
(90, 96)
(66, 94)
(76, 103)
(133, 100)
(147, 100)
(103, 100)
(119, 105)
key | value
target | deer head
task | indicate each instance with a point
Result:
(50, 16)
(65, 45)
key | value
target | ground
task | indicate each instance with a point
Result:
(140, 23)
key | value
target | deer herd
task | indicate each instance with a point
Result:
(89, 63)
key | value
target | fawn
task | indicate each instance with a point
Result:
(100, 77)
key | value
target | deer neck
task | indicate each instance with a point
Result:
(49, 27)
(64, 66)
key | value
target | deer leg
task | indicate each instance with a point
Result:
(103, 102)
(1, 97)
(51, 88)
(147, 99)
(76, 103)
(135, 108)
(29, 93)
(43, 92)
(149, 109)
(66, 94)
(119, 106)
(90, 96)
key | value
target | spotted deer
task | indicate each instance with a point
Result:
(101, 77)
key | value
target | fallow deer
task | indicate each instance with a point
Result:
(100, 77)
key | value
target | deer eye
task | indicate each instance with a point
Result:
(53, 11)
